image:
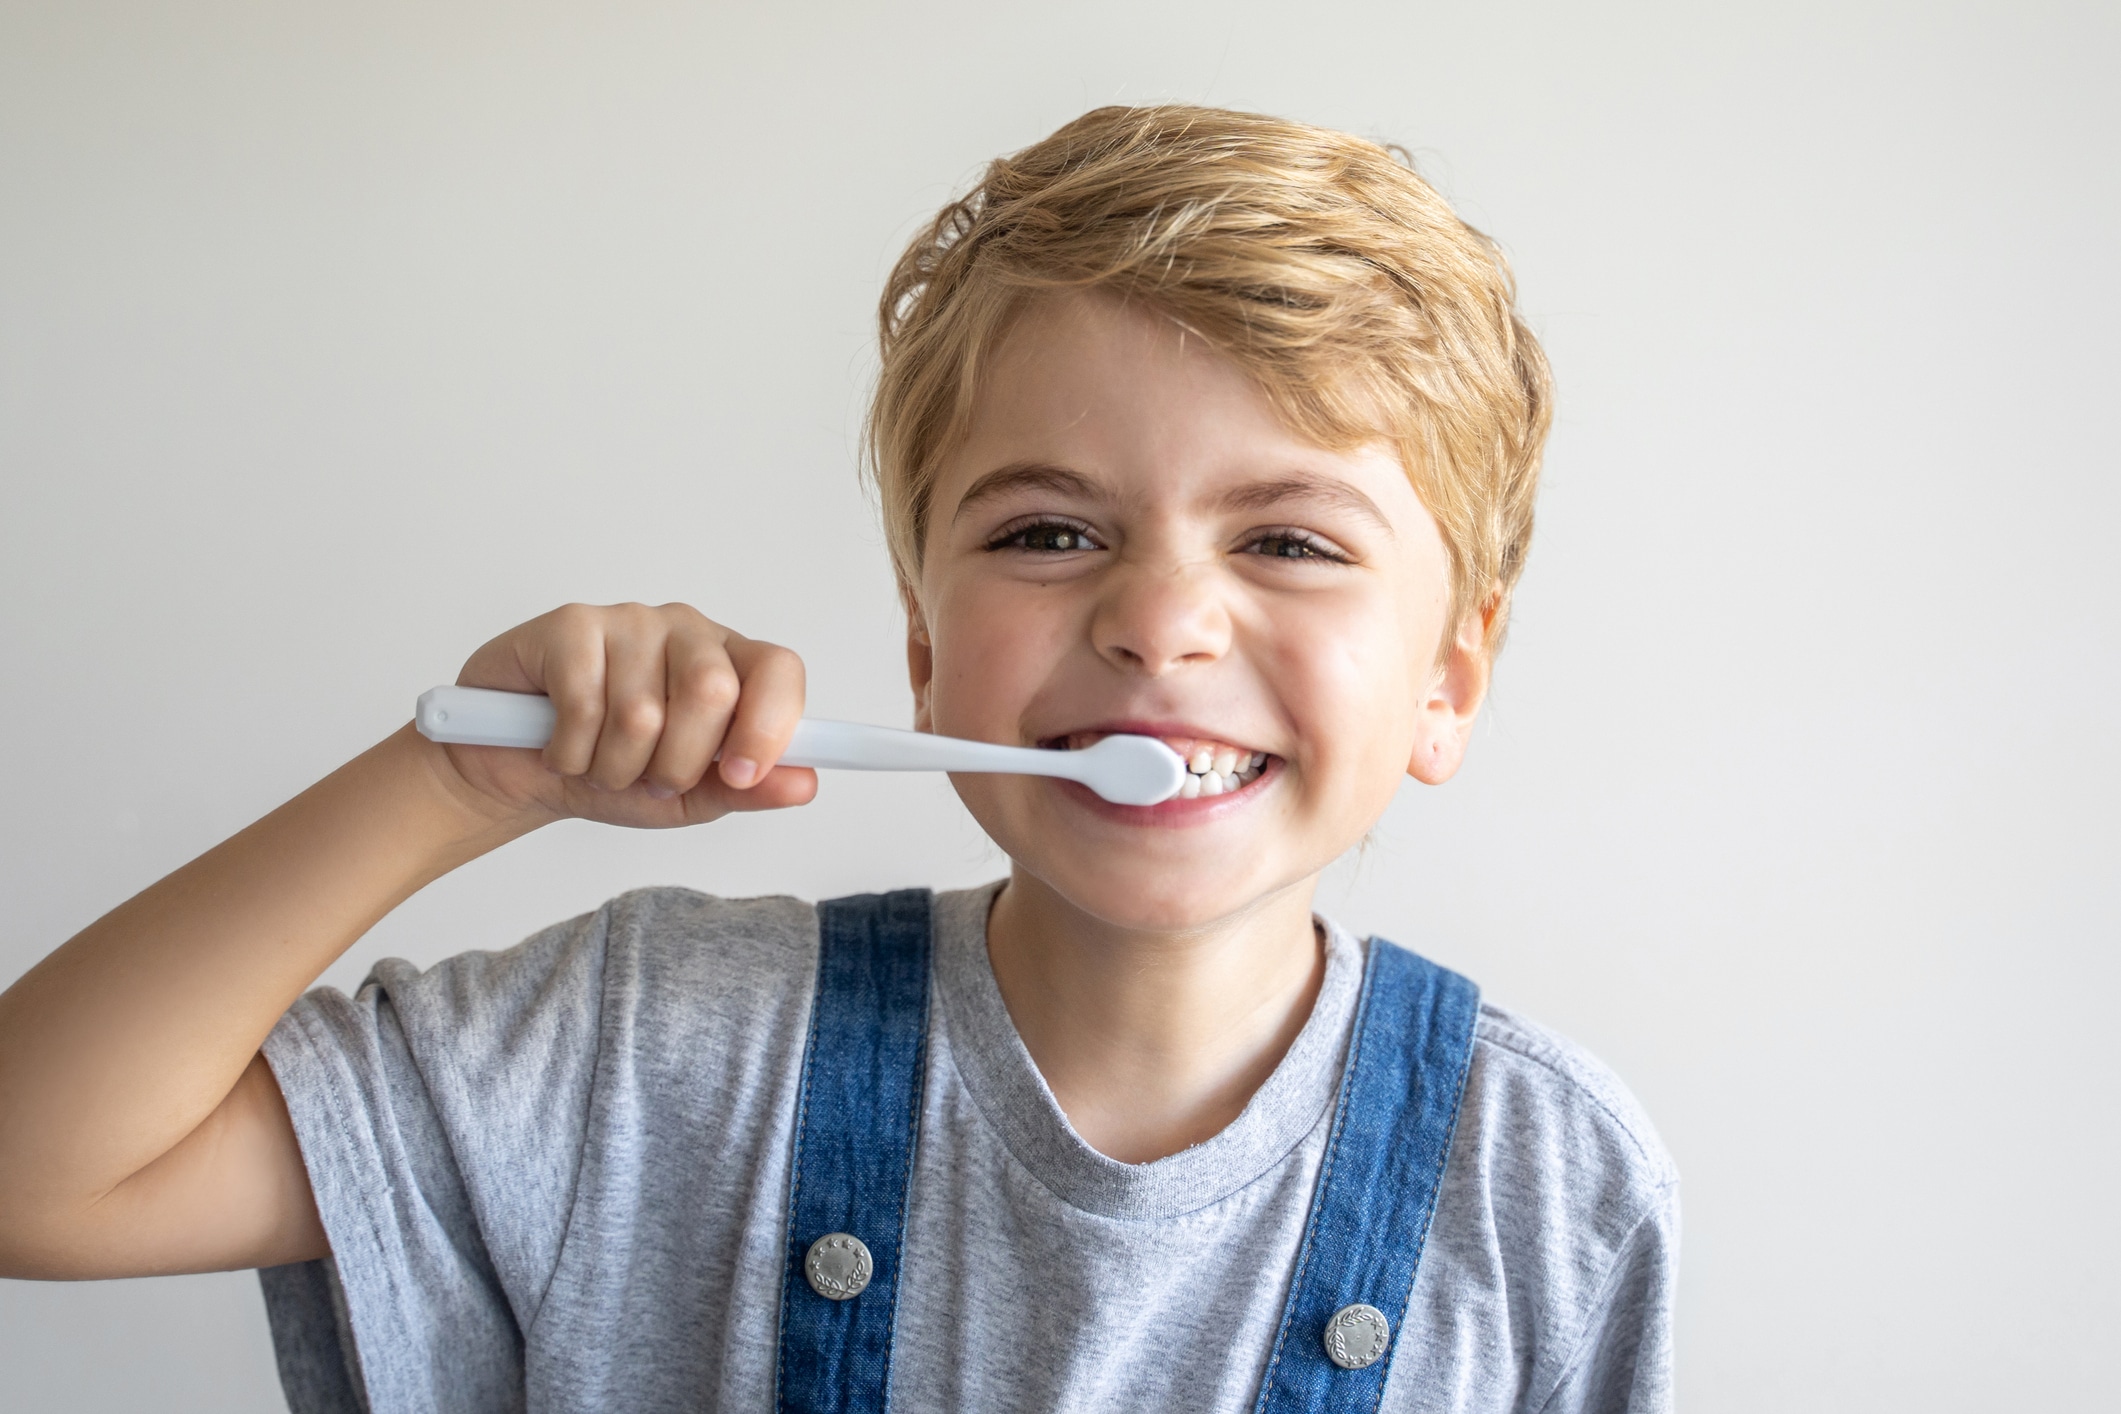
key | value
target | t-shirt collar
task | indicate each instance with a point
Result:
(980, 1040)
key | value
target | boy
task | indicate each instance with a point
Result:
(1190, 423)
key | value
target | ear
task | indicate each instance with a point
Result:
(1443, 723)
(920, 657)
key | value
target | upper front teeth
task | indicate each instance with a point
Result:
(1212, 767)
(1216, 770)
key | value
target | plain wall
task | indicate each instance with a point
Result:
(335, 339)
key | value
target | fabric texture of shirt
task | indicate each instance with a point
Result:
(556, 1179)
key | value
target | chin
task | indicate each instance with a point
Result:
(1180, 867)
(1142, 896)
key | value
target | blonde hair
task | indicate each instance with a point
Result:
(1319, 263)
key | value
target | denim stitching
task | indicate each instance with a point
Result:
(1325, 1171)
(795, 1175)
(913, 1139)
(1428, 1216)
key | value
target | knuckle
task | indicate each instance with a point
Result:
(693, 676)
(574, 618)
(639, 717)
(715, 685)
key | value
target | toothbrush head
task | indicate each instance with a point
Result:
(1131, 770)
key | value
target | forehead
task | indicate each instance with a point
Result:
(1109, 375)
(1120, 394)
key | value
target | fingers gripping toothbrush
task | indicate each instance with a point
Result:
(1126, 770)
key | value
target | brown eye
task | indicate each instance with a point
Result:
(1288, 545)
(1051, 537)
(1054, 537)
(1285, 549)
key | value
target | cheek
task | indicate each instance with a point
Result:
(1351, 683)
(992, 648)
(1347, 662)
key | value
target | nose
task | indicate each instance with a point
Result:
(1154, 619)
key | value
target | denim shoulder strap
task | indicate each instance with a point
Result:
(1407, 1062)
(856, 1122)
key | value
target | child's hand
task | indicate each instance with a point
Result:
(646, 698)
(140, 1129)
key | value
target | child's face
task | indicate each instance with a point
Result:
(1129, 539)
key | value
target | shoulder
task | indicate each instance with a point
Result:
(1560, 1158)
(672, 927)
(677, 958)
(1540, 1098)
(672, 933)
(657, 957)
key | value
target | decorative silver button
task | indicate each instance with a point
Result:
(1357, 1335)
(838, 1267)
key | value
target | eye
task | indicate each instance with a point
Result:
(1292, 544)
(1046, 536)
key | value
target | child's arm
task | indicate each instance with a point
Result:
(141, 1131)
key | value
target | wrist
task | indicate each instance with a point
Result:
(458, 820)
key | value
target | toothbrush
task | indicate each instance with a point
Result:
(1126, 770)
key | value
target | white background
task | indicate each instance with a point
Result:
(336, 338)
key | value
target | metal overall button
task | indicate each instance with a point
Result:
(1357, 1335)
(838, 1266)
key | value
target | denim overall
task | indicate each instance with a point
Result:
(858, 1117)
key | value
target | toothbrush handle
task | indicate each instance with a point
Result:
(478, 716)
(857, 746)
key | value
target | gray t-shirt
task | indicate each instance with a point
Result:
(556, 1178)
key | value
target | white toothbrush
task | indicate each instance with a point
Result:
(1126, 770)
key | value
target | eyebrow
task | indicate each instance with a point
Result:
(1317, 490)
(1027, 476)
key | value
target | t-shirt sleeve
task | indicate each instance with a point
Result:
(441, 1116)
(1623, 1362)
(1556, 1242)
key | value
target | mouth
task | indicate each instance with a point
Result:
(1213, 767)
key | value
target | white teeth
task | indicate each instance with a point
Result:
(1216, 769)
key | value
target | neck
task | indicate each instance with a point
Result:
(1153, 1041)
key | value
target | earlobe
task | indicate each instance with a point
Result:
(1438, 754)
(1444, 721)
